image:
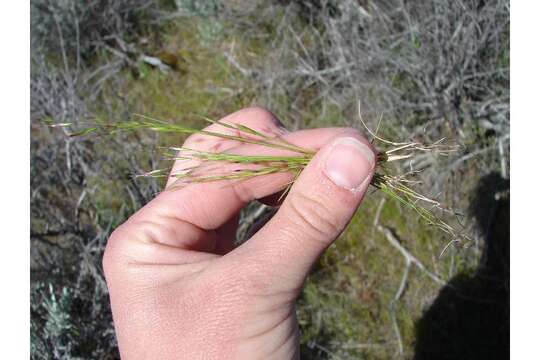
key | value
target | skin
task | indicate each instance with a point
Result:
(179, 288)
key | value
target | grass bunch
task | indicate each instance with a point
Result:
(218, 166)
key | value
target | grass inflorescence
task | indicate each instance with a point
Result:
(218, 166)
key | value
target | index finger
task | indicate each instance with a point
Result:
(256, 118)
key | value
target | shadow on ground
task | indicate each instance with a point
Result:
(470, 318)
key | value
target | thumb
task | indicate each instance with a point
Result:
(319, 206)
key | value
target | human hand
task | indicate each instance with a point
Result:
(178, 287)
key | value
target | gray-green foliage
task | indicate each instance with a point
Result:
(83, 28)
(200, 8)
(209, 26)
(57, 328)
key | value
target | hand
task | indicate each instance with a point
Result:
(178, 287)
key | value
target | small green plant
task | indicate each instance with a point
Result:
(219, 166)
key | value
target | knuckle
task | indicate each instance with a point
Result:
(194, 139)
(312, 216)
(121, 248)
(257, 110)
(256, 114)
(111, 255)
(352, 131)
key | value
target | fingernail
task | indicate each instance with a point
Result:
(349, 163)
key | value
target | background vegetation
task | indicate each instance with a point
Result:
(429, 68)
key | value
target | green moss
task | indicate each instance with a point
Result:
(347, 299)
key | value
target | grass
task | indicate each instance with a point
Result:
(213, 166)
